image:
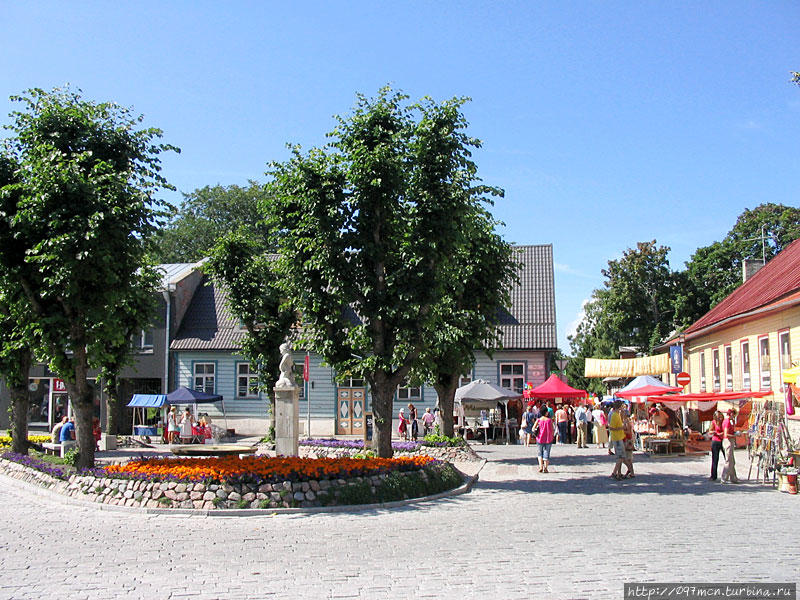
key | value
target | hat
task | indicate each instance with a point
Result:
(730, 411)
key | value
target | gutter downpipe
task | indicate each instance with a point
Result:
(167, 299)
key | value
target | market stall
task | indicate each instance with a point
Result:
(477, 403)
(554, 389)
(141, 403)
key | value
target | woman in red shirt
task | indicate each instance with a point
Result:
(717, 433)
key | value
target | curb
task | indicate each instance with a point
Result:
(464, 488)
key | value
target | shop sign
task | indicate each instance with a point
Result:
(58, 386)
(676, 359)
(305, 368)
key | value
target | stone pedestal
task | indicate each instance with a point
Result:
(287, 420)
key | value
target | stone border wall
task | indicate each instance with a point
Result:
(443, 453)
(150, 494)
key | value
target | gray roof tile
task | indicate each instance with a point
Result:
(529, 325)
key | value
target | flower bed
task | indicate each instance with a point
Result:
(336, 448)
(5, 440)
(251, 482)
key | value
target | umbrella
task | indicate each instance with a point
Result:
(185, 395)
(483, 391)
(644, 386)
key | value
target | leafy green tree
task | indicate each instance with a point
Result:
(634, 307)
(85, 217)
(477, 293)
(714, 271)
(16, 338)
(241, 264)
(205, 216)
(368, 225)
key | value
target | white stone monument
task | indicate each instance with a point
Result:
(287, 408)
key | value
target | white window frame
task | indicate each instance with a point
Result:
(140, 341)
(464, 380)
(784, 353)
(409, 393)
(205, 376)
(746, 366)
(728, 368)
(248, 376)
(764, 376)
(716, 370)
(508, 380)
(703, 381)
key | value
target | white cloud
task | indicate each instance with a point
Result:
(564, 268)
(572, 326)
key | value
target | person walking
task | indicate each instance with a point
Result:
(600, 426)
(580, 417)
(728, 446)
(589, 426)
(562, 423)
(629, 445)
(545, 432)
(717, 432)
(172, 425)
(571, 433)
(412, 417)
(528, 419)
(427, 422)
(617, 428)
(402, 426)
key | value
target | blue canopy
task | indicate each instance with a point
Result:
(184, 395)
(148, 400)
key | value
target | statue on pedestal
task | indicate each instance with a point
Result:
(286, 380)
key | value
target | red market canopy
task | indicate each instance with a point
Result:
(647, 391)
(707, 396)
(554, 388)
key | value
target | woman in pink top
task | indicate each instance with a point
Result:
(545, 432)
(717, 432)
(728, 446)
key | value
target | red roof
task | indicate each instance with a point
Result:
(554, 388)
(778, 280)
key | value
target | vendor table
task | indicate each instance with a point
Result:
(663, 446)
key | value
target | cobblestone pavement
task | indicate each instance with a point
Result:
(572, 533)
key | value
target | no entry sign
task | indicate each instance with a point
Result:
(683, 378)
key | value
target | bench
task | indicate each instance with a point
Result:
(58, 449)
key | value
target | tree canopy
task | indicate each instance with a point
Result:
(205, 216)
(84, 219)
(368, 225)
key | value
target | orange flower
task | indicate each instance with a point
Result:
(263, 468)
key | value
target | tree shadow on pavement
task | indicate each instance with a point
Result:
(646, 483)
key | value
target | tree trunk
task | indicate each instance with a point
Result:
(382, 392)
(446, 386)
(19, 431)
(82, 396)
(112, 405)
(19, 408)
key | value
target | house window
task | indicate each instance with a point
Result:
(352, 382)
(728, 368)
(512, 376)
(464, 380)
(143, 341)
(409, 394)
(299, 381)
(204, 377)
(715, 368)
(703, 372)
(763, 362)
(746, 366)
(246, 381)
(785, 350)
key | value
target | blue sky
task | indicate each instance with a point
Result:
(607, 123)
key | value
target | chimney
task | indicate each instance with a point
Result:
(750, 267)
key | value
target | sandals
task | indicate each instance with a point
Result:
(629, 476)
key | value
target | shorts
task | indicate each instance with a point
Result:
(618, 446)
(544, 451)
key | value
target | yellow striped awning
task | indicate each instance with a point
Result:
(627, 367)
